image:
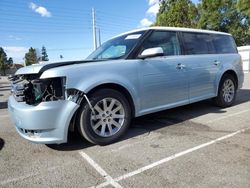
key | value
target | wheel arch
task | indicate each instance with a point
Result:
(123, 90)
(114, 86)
(232, 73)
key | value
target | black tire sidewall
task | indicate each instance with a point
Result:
(84, 124)
(220, 99)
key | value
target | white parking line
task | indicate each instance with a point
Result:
(227, 116)
(29, 175)
(4, 116)
(99, 169)
(20, 178)
(157, 163)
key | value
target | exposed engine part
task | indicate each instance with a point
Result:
(12, 78)
(39, 90)
(75, 95)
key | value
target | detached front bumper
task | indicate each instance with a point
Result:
(46, 123)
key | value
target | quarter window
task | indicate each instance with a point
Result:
(167, 40)
(224, 44)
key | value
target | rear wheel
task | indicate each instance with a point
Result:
(227, 91)
(108, 120)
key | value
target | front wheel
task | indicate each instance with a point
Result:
(227, 91)
(108, 120)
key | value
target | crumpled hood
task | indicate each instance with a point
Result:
(40, 68)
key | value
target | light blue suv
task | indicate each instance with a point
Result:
(133, 74)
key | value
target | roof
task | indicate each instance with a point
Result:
(175, 29)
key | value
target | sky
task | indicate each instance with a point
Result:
(65, 27)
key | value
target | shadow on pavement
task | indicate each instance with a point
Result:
(5, 89)
(8, 86)
(155, 121)
(3, 105)
(1, 144)
(75, 142)
(242, 96)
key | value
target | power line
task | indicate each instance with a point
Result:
(49, 8)
(107, 14)
(68, 49)
(36, 16)
(45, 32)
(77, 23)
(115, 25)
(48, 23)
(100, 23)
(118, 18)
(53, 27)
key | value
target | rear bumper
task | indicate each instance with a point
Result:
(46, 123)
(240, 80)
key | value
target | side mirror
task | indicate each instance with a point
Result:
(151, 52)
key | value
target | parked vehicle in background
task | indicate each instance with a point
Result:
(133, 74)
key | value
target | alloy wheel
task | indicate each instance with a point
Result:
(228, 90)
(108, 117)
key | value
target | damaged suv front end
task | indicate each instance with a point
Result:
(41, 109)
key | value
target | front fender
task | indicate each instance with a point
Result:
(90, 83)
(87, 77)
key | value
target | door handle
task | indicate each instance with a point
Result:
(180, 66)
(216, 63)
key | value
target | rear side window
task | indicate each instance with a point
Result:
(198, 43)
(224, 44)
(167, 40)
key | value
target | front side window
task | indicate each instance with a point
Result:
(113, 51)
(117, 48)
(167, 40)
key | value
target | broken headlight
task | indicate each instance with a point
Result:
(40, 90)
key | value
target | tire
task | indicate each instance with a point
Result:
(104, 126)
(226, 91)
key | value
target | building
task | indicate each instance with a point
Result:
(244, 51)
(11, 70)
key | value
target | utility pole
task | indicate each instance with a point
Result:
(99, 36)
(94, 28)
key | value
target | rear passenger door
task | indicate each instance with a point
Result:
(202, 65)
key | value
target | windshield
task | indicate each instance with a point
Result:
(117, 48)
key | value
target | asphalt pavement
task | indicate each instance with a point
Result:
(197, 145)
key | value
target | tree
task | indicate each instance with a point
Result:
(10, 62)
(244, 6)
(177, 13)
(3, 60)
(31, 57)
(222, 15)
(44, 54)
